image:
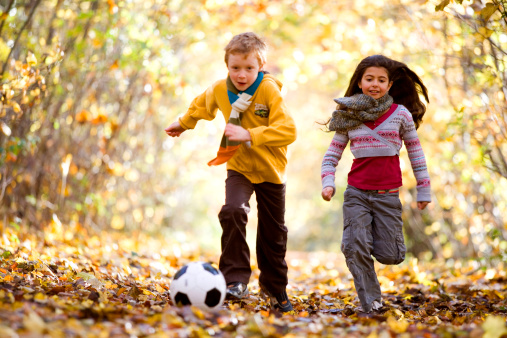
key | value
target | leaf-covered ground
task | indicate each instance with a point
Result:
(70, 284)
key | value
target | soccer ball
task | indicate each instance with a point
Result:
(198, 284)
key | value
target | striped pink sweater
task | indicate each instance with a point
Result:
(384, 140)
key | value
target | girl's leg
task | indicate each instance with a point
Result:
(357, 245)
(388, 242)
(235, 258)
(271, 236)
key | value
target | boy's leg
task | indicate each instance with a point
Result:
(357, 245)
(388, 241)
(271, 236)
(235, 258)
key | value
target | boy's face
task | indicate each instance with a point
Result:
(243, 70)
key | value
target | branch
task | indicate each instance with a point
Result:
(37, 2)
(51, 28)
(5, 14)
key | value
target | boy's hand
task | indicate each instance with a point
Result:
(174, 130)
(327, 193)
(422, 205)
(237, 133)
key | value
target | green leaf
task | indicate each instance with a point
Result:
(31, 199)
(85, 276)
(14, 225)
(442, 5)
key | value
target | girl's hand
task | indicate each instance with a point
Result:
(327, 193)
(237, 133)
(422, 205)
(174, 130)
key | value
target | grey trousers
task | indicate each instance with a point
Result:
(372, 226)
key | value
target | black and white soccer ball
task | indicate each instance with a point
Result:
(198, 284)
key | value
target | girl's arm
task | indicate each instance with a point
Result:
(330, 162)
(417, 160)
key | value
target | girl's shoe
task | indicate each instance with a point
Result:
(236, 291)
(375, 306)
(279, 301)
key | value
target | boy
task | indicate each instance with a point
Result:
(254, 145)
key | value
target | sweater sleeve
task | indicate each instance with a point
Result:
(204, 106)
(281, 128)
(417, 159)
(331, 159)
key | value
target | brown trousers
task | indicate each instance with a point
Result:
(271, 243)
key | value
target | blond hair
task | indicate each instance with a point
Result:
(246, 43)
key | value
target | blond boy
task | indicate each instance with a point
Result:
(254, 146)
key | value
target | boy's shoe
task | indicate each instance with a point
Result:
(279, 301)
(236, 290)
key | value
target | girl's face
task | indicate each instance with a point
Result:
(243, 70)
(375, 82)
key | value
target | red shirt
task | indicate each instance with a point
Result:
(376, 173)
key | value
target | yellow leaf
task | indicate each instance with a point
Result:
(114, 65)
(264, 313)
(197, 312)
(488, 11)
(97, 43)
(35, 92)
(494, 327)
(110, 285)
(433, 320)
(5, 129)
(442, 5)
(6, 331)
(16, 107)
(397, 314)
(31, 59)
(159, 288)
(83, 116)
(117, 222)
(100, 118)
(148, 292)
(87, 303)
(112, 6)
(485, 32)
(40, 297)
(398, 326)
(34, 323)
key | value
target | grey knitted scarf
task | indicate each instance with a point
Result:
(354, 110)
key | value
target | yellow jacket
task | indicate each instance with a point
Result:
(271, 127)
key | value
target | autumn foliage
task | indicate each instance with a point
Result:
(76, 283)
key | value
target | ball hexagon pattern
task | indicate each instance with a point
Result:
(198, 284)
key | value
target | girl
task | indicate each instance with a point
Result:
(381, 107)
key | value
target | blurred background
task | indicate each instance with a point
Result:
(89, 86)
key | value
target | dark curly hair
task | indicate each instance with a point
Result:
(406, 84)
